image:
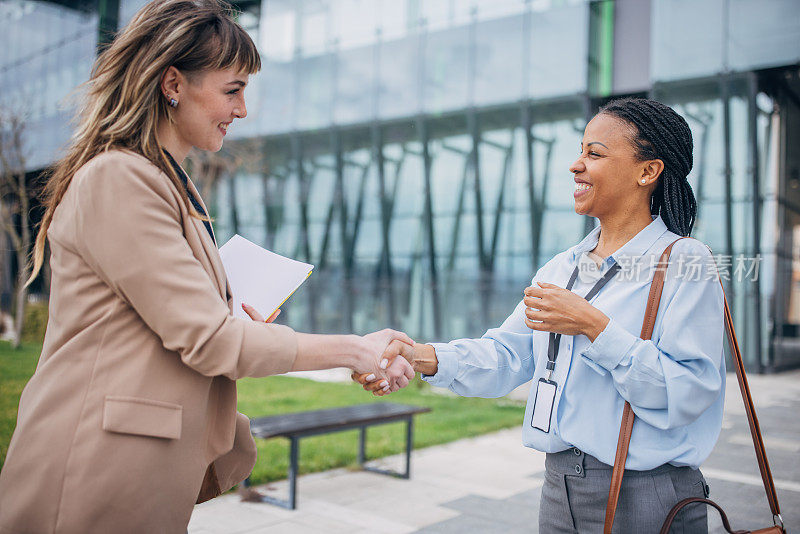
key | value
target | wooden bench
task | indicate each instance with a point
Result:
(296, 426)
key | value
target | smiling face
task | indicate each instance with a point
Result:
(608, 175)
(208, 102)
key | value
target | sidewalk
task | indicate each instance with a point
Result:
(491, 483)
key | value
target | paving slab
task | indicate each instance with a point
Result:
(492, 483)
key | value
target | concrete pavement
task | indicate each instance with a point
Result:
(491, 484)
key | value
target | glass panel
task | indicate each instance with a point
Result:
(561, 229)
(288, 226)
(680, 29)
(315, 27)
(514, 241)
(249, 189)
(707, 175)
(394, 18)
(703, 110)
(354, 22)
(355, 85)
(446, 80)
(495, 165)
(277, 88)
(449, 160)
(399, 78)
(559, 41)
(43, 45)
(556, 146)
(278, 25)
(763, 34)
(405, 178)
(489, 9)
(499, 56)
(707, 178)
(222, 211)
(315, 93)
(323, 227)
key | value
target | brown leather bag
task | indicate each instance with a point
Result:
(626, 427)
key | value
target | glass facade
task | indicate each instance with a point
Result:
(46, 51)
(417, 151)
(349, 62)
(723, 181)
(697, 39)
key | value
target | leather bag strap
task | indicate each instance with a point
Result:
(725, 524)
(752, 419)
(626, 427)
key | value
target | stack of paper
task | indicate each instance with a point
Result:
(260, 278)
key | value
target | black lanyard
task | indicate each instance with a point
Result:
(555, 339)
(195, 202)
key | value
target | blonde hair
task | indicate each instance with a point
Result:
(123, 103)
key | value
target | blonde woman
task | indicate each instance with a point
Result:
(132, 409)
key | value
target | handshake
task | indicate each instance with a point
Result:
(382, 362)
(399, 357)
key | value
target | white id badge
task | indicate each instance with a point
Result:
(543, 405)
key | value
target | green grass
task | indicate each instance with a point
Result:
(451, 418)
(16, 367)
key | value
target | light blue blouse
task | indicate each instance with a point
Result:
(675, 382)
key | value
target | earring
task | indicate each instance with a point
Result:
(644, 181)
(173, 103)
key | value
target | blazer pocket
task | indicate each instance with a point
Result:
(142, 417)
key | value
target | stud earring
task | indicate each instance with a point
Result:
(644, 181)
(173, 103)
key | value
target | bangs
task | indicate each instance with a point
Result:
(219, 43)
(235, 49)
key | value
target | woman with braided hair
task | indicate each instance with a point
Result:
(576, 335)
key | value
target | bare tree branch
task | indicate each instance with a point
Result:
(15, 205)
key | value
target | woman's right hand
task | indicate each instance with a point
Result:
(371, 360)
(374, 356)
(419, 357)
(398, 375)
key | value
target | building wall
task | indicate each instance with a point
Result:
(632, 36)
(417, 152)
(46, 51)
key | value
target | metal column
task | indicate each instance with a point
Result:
(752, 120)
(426, 157)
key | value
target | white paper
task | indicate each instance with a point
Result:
(259, 277)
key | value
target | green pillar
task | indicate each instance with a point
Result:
(108, 22)
(601, 48)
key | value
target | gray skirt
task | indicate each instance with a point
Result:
(575, 493)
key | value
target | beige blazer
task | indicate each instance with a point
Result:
(134, 395)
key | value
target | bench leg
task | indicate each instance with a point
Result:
(293, 467)
(409, 445)
(291, 504)
(362, 446)
(362, 457)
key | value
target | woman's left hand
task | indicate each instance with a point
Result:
(554, 309)
(254, 315)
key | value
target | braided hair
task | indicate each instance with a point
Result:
(660, 133)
